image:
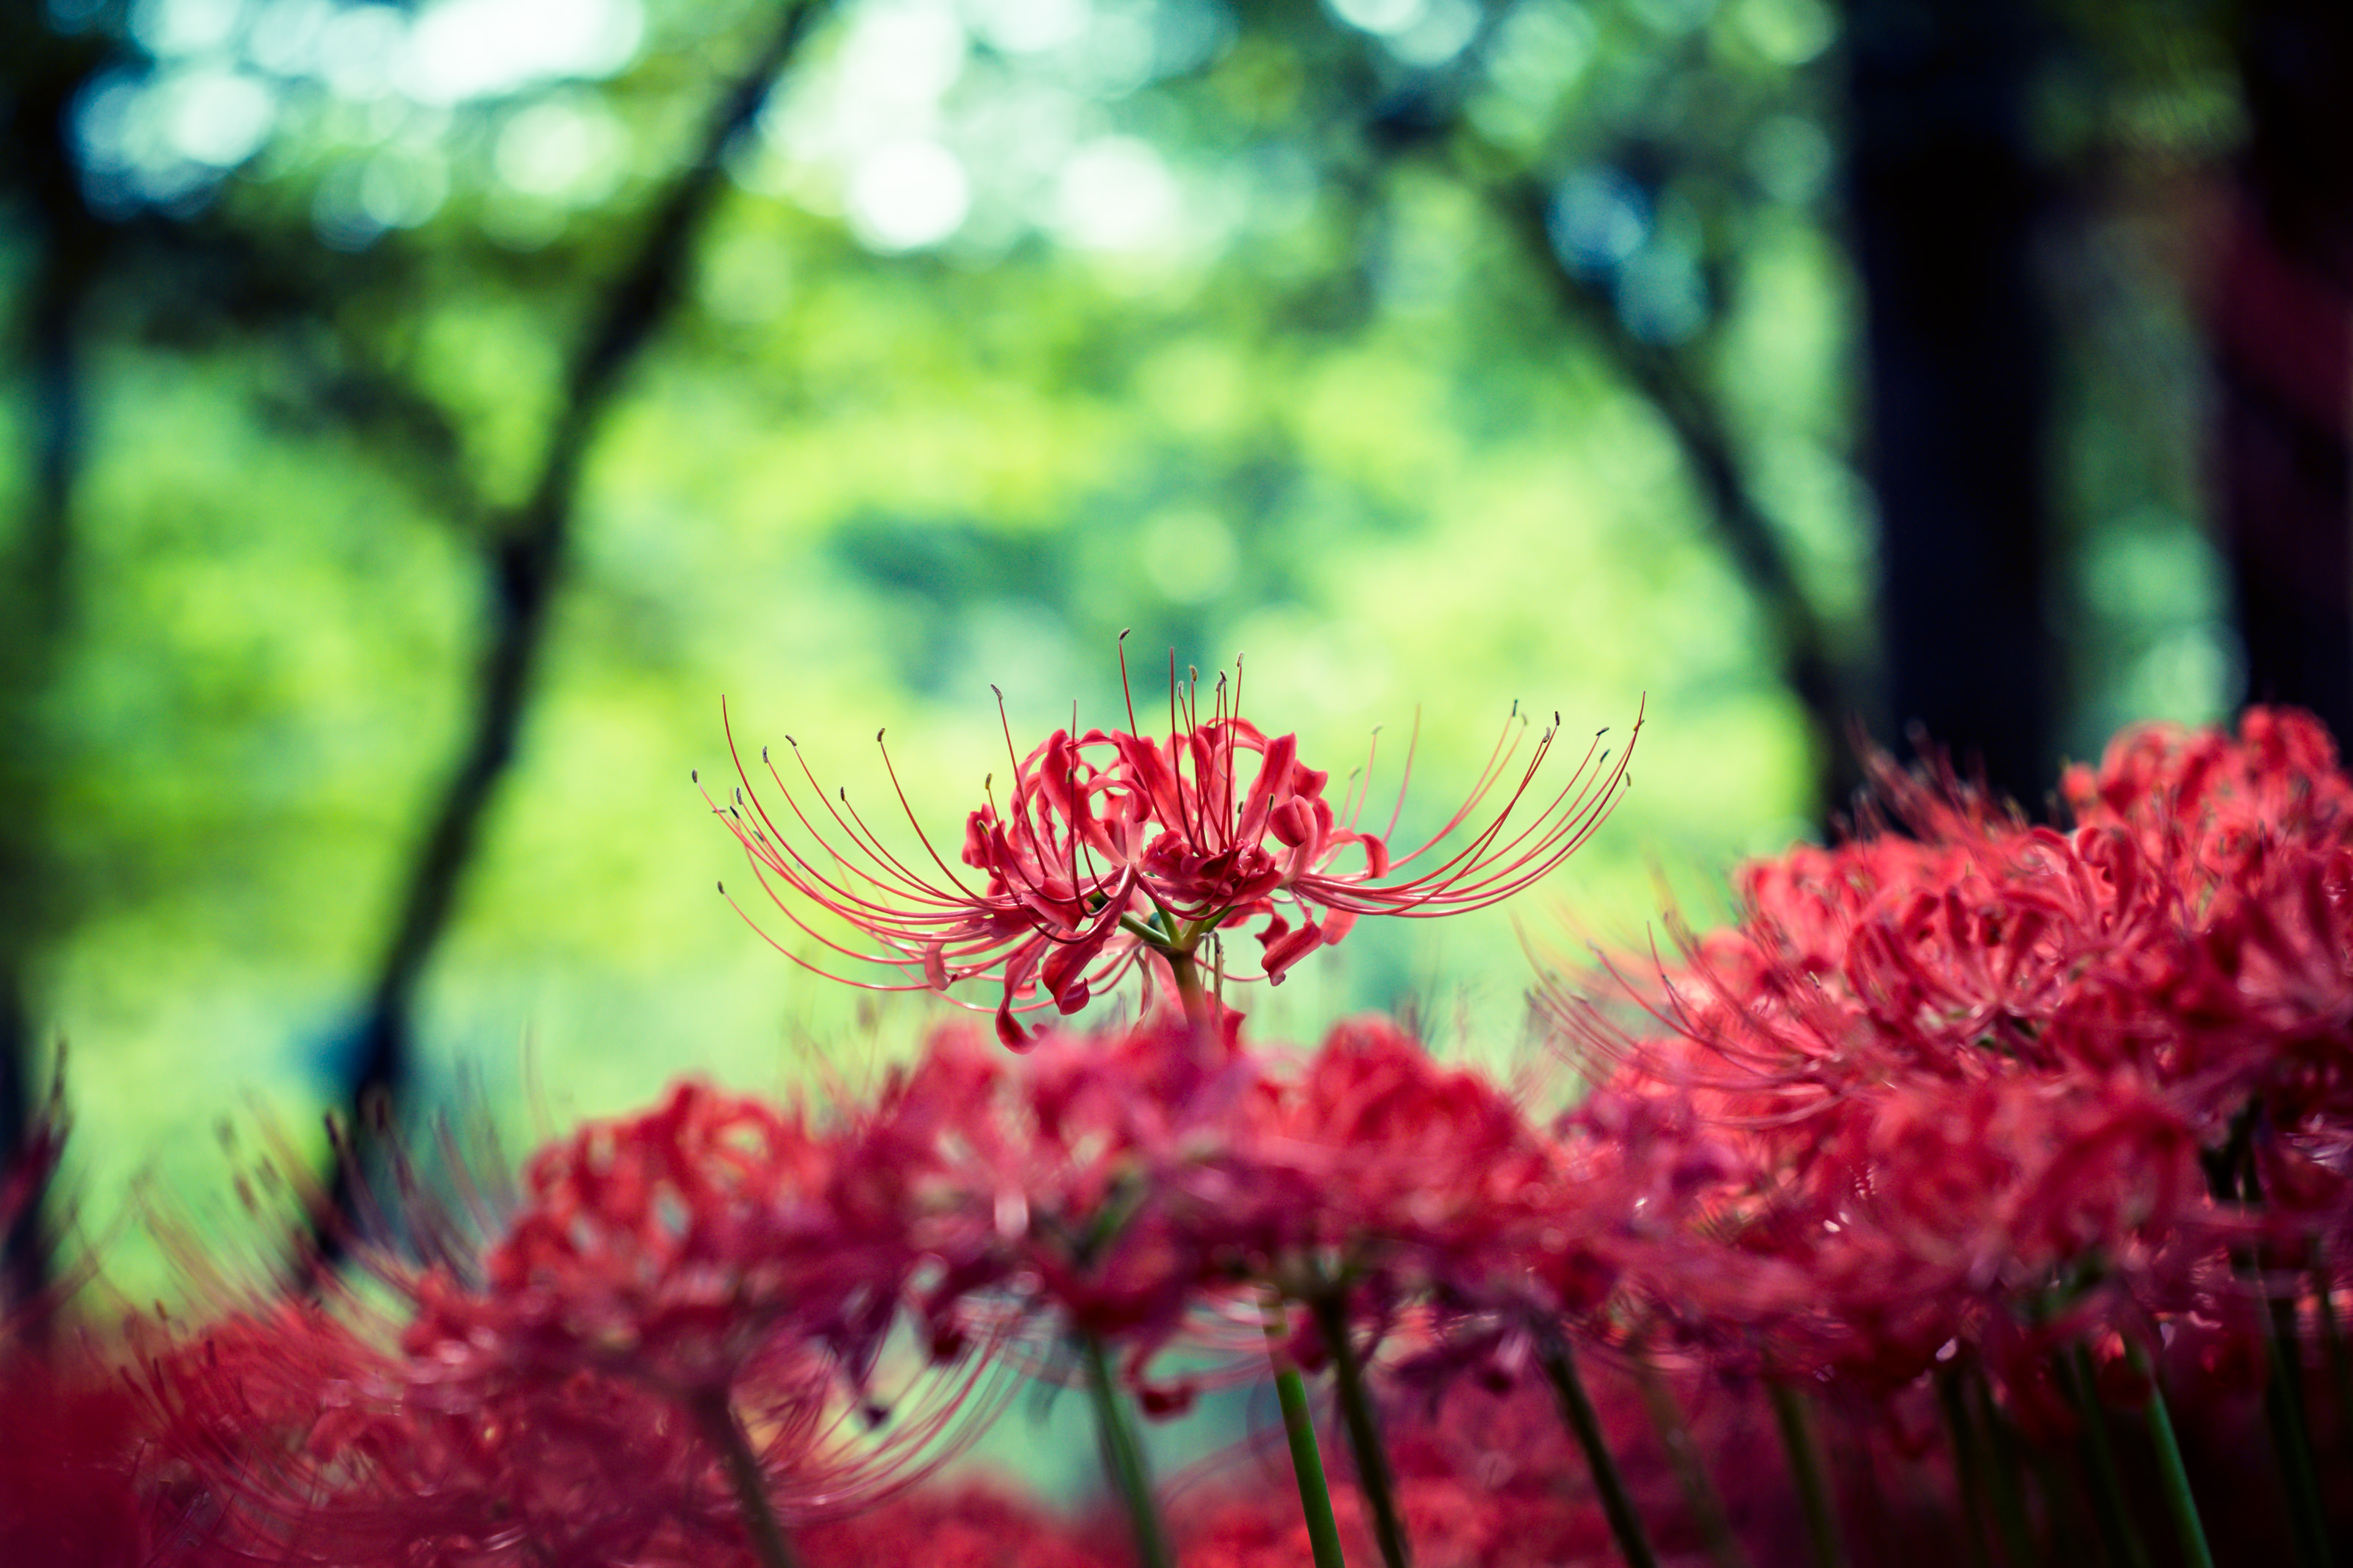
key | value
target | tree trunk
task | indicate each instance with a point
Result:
(2280, 324)
(1943, 194)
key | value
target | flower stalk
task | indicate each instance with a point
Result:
(2292, 1435)
(1299, 1432)
(1187, 972)
(725, 1432)
(1124, 1457)
(1968, 1461)
(2172, 1475)
(1691, 1469)
(2332, 1340)
(1806, 1473)
(1559, 1367)
(2004, 1473)
(2110, 1504)
(2230, 1175)
(1330, 1307)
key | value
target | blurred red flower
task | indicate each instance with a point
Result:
(1975, 1069)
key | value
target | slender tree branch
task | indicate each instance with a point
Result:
(1665, 379)
(527, 560)
(1829, 693)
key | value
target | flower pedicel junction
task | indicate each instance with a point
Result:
(1978, 1195)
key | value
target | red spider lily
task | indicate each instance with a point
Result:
(677, 1295)
(715, 1251)
(670, 1246)
(299, 1439)
(69, 1468)
(968, 1527)
(1125, 1186)
(1114, 843)
(2195, 929)
(1075, 1185)
(1974, 1072)
(2251, 840)
(1376, 1159)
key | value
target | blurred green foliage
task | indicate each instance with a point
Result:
(1020, 322)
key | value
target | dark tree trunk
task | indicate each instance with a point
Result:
(69, 248)
(2281, 323)
(1943, 194)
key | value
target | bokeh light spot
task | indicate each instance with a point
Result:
(907, 196)
(1382, 19)
(562, 149)
(1116, 195)
(218, 117)
(1029, 27)
(460, 49)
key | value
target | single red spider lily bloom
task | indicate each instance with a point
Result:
(297, 1437)
(1067, 1189)
(672, 1246)
(1377, 1157)
(721, 1252)
(1114, 843)
(561, 1384)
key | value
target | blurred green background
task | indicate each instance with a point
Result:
(1431, 354)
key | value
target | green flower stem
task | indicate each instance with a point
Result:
(2109, 1505)
(1187, 972)
(2292, 1437)
(2232, 1174)
(1577, 1408)
(2172, 1475)
(1123, 1454)
(1806, 1473)
(2231, 1178)
(2004, 1477)
(1330, 1307)
(1968, 1461)
(1691, 1467)
(1176, 942)
(1306, 1454)
(2332, 1339)
(725, 1432)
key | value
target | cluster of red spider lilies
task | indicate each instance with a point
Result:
(1983, 1195)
